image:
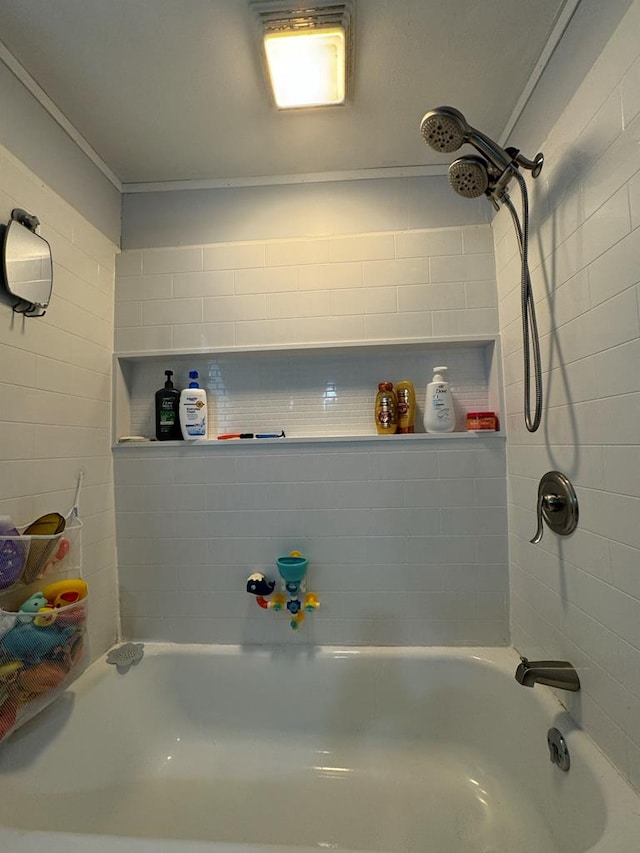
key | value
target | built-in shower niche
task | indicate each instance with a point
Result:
(311, 392)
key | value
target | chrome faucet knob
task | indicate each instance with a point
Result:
(557, 505)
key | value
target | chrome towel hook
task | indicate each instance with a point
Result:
(557, 505)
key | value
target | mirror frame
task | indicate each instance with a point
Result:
(21, 219)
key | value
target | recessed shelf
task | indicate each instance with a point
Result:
(315, 393)
(316, 439)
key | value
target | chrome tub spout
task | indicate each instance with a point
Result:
(554, 673)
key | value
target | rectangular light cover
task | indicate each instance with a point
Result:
(307, 69)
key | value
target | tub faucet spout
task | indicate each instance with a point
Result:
(554, 673)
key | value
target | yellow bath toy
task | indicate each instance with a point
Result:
(63, 593)
(277, 602)
(46, 616)
(311, 601)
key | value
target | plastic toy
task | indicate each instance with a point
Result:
(293, 571)
(63, 549)
(277, 602)
(30, 643)
(33, 604)
(35, 680)
(63, 593)
(259, 586)
(311, 601)
(13, 553)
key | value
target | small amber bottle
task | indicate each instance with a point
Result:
(386, 409)
(406, 397)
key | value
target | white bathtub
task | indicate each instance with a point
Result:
(221, 749)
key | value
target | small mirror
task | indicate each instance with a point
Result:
(27, 265)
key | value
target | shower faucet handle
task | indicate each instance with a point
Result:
(557, 505)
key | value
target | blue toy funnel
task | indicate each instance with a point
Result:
(292, 569)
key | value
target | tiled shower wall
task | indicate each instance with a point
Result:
(579, 598)
(407, 542)
(55, 390)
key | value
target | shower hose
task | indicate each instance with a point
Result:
(530, 339)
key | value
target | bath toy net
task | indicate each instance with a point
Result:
(41, 653)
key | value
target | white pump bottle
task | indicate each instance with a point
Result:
(438, 407)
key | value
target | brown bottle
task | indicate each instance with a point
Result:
(406, 397)
(386, 409)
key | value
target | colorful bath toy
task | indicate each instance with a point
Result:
(63, 593)
(46, 616)
(75, 616)
(63, 549)
(257, 584)
(33, 604)
(13, 553)
(8, 670)
(36, 680)
(277, 602)
(311, 601)
(30, 643)
(40, 549)
(292, 568)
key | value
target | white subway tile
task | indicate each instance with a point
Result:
(210, 283)
(476, 239)
(157, 261)
(171, 312)
(380, 300)
(480, 294)
(129, 263)
(392, 272)
(138, 340)
(330, 276)
(143, 287)
(266, 280)
(463, 268)
(431, 297)
(204, 336)
(234, 308)
(128, 314)
(446, 241)
(311, 304)
(369, 247)
(414, 324)
(233, 257)
(297, 252)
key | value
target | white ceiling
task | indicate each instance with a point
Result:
(172, 90)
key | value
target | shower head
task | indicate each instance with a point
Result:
(469, 176)
(446, 129)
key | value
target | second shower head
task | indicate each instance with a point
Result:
(469, 177)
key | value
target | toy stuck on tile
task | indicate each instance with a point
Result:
(292, 595)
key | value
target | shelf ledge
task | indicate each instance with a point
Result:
(316, 439)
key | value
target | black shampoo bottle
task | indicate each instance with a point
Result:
(167, 403)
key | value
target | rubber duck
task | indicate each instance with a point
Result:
(63, 593)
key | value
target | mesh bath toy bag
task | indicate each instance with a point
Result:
(43, 618)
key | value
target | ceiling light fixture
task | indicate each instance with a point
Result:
(307, 50)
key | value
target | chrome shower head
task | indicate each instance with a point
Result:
(469, 176)
(446, 129)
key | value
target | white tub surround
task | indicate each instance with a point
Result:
(401, 750)
(579, 598)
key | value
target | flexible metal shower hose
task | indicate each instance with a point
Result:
(530, 339)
